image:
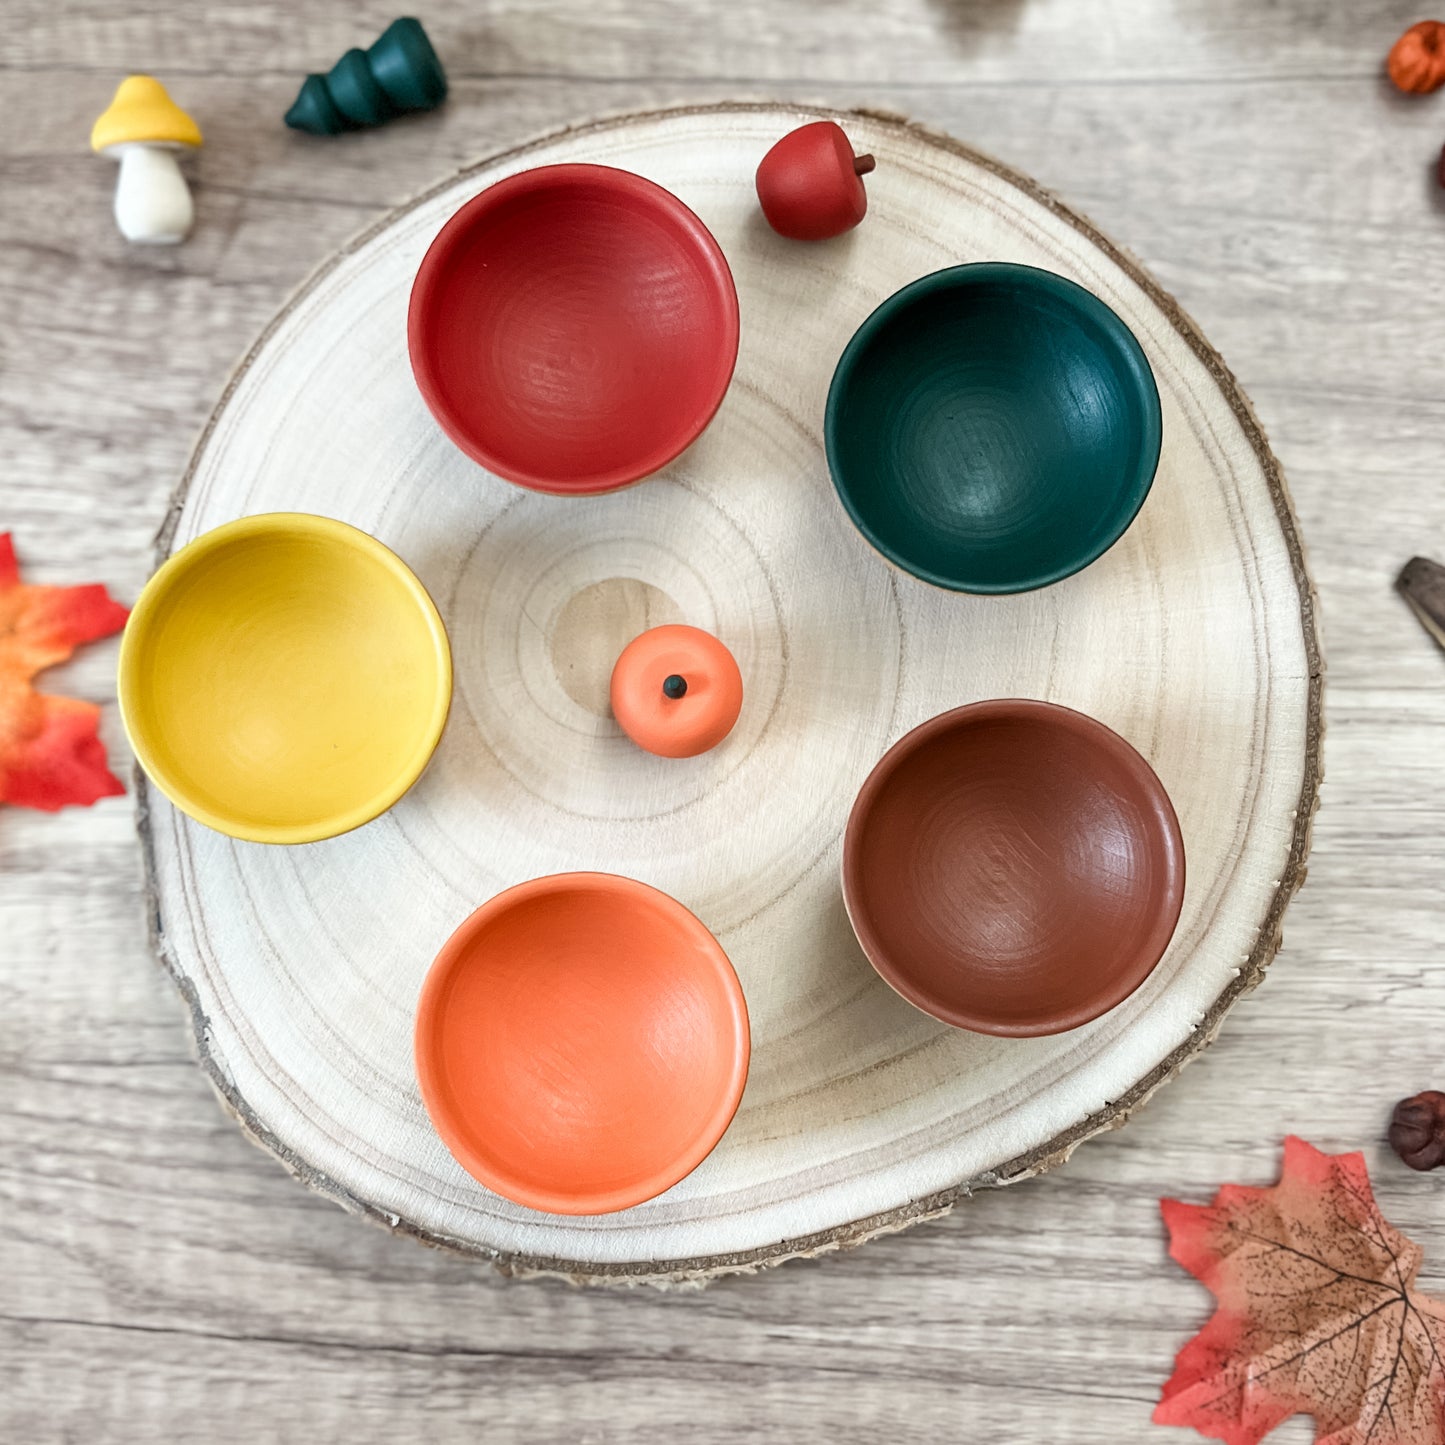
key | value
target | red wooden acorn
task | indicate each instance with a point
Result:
(810, 184)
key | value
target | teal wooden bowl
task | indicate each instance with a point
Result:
(993, 428)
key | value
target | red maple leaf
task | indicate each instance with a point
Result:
(1317, 1313)
(50, 752)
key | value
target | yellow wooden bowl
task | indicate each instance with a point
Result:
(284, 678)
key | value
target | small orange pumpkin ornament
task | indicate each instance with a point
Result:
(676, 691)
(1417, 60)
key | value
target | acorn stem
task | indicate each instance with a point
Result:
(674, 686)
(863, 164)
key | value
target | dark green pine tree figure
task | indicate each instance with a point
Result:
(400, 72)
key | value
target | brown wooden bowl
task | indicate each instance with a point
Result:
(1013, 867)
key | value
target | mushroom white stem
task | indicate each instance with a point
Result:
(152, 201)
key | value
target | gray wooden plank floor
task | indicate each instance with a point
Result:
(161, 1279)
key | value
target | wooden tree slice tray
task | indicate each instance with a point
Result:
(1194, 637)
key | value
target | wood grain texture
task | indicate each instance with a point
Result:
(159, 1277)
(1194, 637)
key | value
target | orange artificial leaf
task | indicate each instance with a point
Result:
(1317, 1313)
(50, 753)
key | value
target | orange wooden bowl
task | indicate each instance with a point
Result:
(581, 1043)
(676, 691)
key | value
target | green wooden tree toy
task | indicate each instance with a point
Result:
(399, 73)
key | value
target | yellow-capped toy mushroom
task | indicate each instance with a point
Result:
(146, 130)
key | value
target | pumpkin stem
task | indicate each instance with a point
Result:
(863, 164)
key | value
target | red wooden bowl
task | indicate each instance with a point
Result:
(1013, 867)
(573, 328)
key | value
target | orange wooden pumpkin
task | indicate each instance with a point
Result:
(1417, 61)
(676, 691)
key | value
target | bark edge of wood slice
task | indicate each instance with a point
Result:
(258, 1001)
